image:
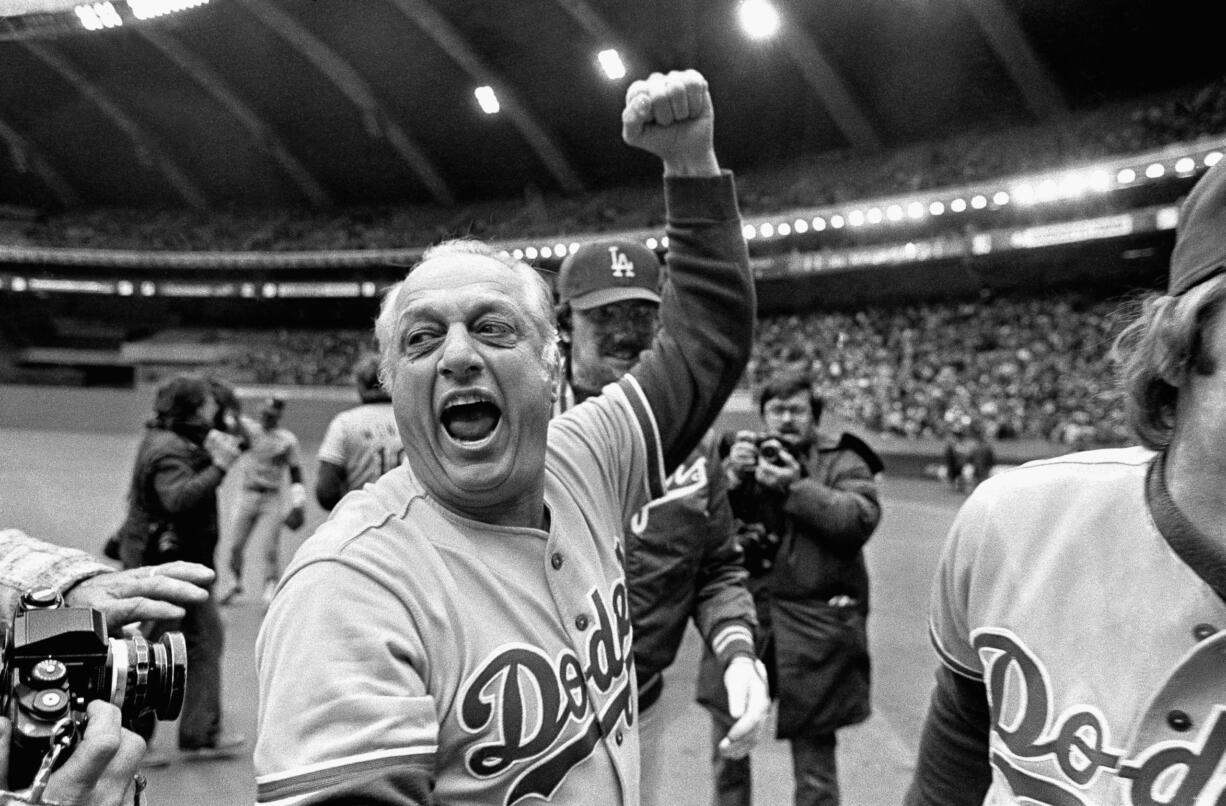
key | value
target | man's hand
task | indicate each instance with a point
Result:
(152, 593)
(671, 116)
(748, 702)
(742, 459)
(99, 771)
(224, 449)
(779, 473)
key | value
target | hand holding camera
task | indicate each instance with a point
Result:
(65, 691)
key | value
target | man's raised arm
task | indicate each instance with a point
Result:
(708, 302)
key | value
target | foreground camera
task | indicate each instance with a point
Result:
(57, 658)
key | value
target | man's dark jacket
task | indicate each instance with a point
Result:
(813, 602)
(174, 487)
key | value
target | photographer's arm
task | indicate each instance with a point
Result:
(840, 508)
(102, 765)
(151, 593)
(180, 487)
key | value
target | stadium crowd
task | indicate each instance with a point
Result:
(1020, 367)
(804, 181)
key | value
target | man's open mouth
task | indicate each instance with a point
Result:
(470, 418)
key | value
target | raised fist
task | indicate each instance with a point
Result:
(671, 116)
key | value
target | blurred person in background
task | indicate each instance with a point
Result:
(1078, 605)
(806, 503)
(459, 631)
(681, 557)
(172, 515)
(273, 453)
(361, 443)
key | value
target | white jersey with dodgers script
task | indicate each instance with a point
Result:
(1061, 593)
(364, 441)
(495, 658)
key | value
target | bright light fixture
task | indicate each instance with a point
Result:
(611, 63)
(759, 18)
(487, 99)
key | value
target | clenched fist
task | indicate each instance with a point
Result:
(670, 115)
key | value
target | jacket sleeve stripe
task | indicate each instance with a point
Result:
(286, 787)
(651, 435)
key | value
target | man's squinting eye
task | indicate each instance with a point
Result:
(413, 339)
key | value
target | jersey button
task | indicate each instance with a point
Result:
(618, 737)
(556, 560)
(581, 622)
(1179, 720)
(1202, 631)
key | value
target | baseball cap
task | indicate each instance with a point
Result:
(1200, 238)
(609, 271)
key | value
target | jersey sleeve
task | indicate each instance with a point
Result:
(949, 617)
(332, 449)
(344, 715)
(706, 314)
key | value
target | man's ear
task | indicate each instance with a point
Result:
(559, 377)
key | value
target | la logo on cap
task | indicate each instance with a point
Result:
(620, 263)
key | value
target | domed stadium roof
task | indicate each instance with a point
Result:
(290, 103)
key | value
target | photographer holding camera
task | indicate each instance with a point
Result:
(100, 770)
(192, 441)
(806, 503)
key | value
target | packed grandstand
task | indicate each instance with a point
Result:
(1026, 360)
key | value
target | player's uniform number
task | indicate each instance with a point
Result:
(389, 457)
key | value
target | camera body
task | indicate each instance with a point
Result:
(57, 658)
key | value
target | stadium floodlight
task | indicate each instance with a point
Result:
(530, 253)
(915, 210)
(611, 63)
(936, 208)
(836, 221)
(1024, 193)
(125, 288)
(873, 216)
(759, 19)
(979, 201)
(1212, 158)
(517, 253)
(1155, 170)
(801, 226)
(148, 289)
(269, 290)
(855, 218)
(957, 205)
(1099, 181)
(819, 223)
(784, 229)
(1185, 165)
(96, 16)
(749, 231)
(487, 99)
(894, 212)
(369, 289)
(546, 251)
(1126, 176)
(664, 242)
(766, 229)
(18, 284)
(573, 248)
(1000, 198)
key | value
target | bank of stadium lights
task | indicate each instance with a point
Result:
(99, 16)
(759, 19)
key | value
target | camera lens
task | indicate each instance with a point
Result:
(149, 677)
